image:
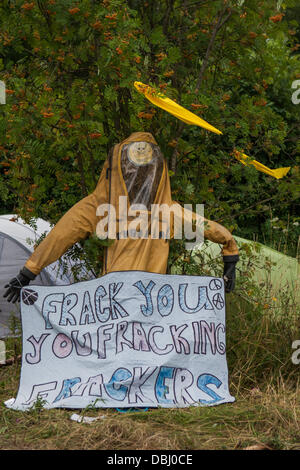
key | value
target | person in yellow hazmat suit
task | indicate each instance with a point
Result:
(137, 170)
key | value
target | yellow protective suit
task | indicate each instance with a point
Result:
(148, 184)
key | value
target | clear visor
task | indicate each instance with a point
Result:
(142, 168)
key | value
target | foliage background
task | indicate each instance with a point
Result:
(69, 68)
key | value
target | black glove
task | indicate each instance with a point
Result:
(15, 285)
(229, 271)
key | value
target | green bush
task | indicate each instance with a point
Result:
(69, 69)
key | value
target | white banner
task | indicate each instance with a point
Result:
(127, 339)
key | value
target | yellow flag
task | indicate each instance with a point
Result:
(160, 100)
(245, 160)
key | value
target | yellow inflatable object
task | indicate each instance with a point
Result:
(278, 173)
(160, 100)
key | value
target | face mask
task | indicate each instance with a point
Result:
(142, 167)
(140, 153)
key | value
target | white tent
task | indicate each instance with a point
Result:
(17, 241)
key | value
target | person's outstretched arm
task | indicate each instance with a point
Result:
(216, 233)
(78, 223)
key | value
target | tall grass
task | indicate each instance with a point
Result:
(259, 345)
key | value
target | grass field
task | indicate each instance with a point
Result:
(259, 419)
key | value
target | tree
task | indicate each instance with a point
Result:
(69, 68)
